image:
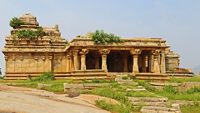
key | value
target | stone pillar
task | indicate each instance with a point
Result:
(144, 63)
(68, 63)
(156, 66)
(48, 63)
(104, 53)
(83, 59)
(6, 64)
(135, 53)
(76, 60)
(162, 64)
(125, 63)
(151, 61)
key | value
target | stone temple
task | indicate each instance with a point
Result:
(81, 58)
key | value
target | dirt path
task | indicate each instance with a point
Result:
(26, 100)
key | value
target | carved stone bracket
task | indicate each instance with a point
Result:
(50, 57)
(6, 58)
(84, 51)
(68, 56)
(156, 52)
(135, 51)
(104, 51)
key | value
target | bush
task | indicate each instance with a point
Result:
(100, 37)
(170, 89)
(193, 90)
(1, 77)
(125, 78)
(46, 76)
(15, 22)
(30, 34)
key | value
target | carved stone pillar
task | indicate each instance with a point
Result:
(76, 60)
(151, 61)
(156, 66)
(144, 63)
(83, 59)
(162, 64)
(68, 63)
(104, 53)
(49, 60)
(135, 53)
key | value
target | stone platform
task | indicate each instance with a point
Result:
(152, 76)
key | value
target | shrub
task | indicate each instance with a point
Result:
(193, 90)
(125, 77)
(46, 76)
(1, 77)
(100, 37)
(170, 89)
(15, 22)
(30, 34)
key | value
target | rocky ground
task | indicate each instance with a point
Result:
(27, 100)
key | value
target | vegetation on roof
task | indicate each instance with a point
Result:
(16, 22)
(100, 37)
(30, 34)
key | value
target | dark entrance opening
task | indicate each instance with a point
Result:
(93, 60)
(144, 61)
(119, 61)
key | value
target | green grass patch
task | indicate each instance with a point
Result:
(141, 94)
(56, 85)
(114, 108)
(195, 108)
(46, 76)
(98, 81)
(57, 88)
(181, 80)
(172, 93)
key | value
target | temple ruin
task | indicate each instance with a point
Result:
(143, 58)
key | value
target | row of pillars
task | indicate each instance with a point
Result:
(156, 65)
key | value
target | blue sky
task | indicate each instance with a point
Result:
(177, 21)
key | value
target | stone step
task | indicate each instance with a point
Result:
(152, 78)
(15, 78)
(88, 74)
(89, 71)
(158, 109)
(148, 99)
(162, 104)
(84, 78)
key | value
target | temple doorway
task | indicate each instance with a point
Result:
(93, 60)
(144, 61)
(119, 61)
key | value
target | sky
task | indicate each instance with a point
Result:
(177, 21)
